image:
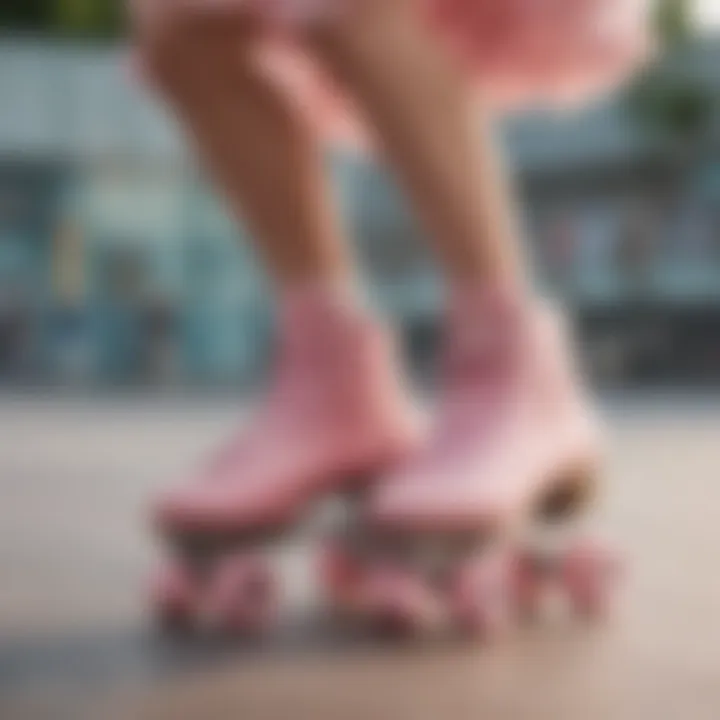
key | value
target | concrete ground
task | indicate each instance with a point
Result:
(75, 643)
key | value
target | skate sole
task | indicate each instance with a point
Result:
(438, 559)
(228, 580)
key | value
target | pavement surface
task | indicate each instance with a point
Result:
(75, 641)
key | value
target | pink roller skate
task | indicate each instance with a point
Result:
(336, 417)
(515, 443)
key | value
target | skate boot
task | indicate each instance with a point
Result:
(446, 542)
(335, 417)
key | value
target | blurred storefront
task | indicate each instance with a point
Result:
(118, 266)
(169, 294)
(30, 196)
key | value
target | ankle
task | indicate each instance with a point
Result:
(307, 306)
(475, 305)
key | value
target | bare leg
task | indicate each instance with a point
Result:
(434, 135)
(253, 144)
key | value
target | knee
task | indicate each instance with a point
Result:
(355, 24)
(164, 43)
(176, 46)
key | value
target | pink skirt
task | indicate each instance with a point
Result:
(545, 51)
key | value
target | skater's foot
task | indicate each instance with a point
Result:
(335, 416)
(513, 424)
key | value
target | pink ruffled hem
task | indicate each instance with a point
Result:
(529, 51)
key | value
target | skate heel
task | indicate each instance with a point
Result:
(564, 557)
(570, 494)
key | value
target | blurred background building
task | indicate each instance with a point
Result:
(119, 266)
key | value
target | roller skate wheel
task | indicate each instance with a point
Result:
(590, 573)
(173, 597)
(341, 575)
(242, 597)
(401, 605)
(481, 597)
